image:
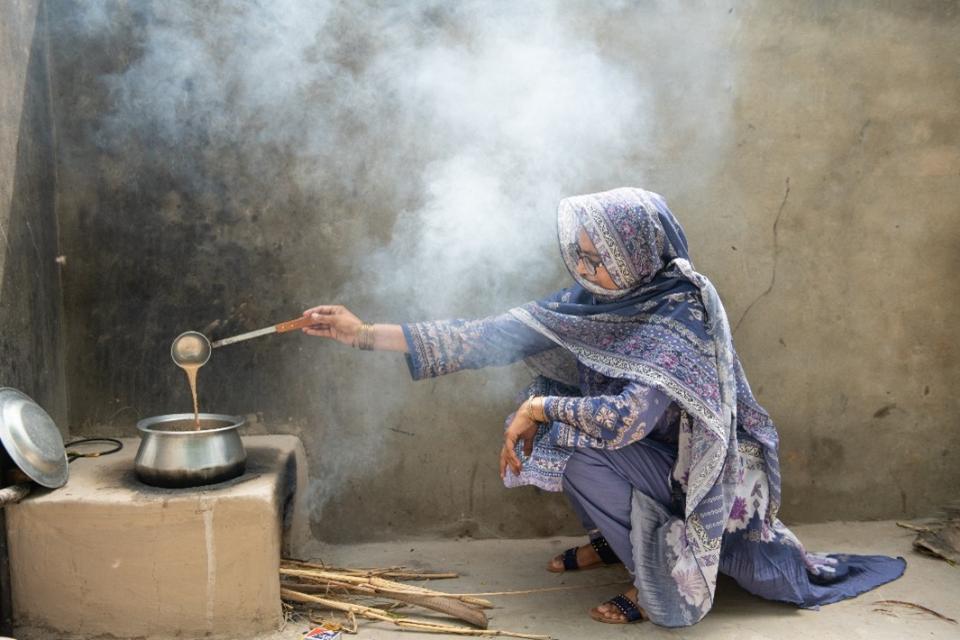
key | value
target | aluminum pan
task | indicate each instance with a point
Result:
(32, 439)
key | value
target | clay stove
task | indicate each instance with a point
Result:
(107, 554)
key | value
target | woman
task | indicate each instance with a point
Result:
(642, 414)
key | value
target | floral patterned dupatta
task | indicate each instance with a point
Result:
(664, 326)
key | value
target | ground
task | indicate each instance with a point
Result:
(504, 565)
(501, 565)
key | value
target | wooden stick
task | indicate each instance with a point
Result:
(398, 573)
(379, 583)
(429, 627)
(368, 612)
(321, 574)
(449, 606)
(430, 575)
(13, 494)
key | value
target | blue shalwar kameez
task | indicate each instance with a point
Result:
(652, 432)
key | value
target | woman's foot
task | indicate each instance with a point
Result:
(620, 610)
(587, 558)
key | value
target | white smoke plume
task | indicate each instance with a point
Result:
(462, 124)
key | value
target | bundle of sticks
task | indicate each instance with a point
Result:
(375, 593)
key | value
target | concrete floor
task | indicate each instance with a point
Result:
(501, 565)
(504, 565)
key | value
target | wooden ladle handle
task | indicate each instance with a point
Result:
(292, 325)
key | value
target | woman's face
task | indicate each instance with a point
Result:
(588, 252)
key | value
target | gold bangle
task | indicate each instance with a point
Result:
(530, 412)
(370, 337)
(364, 338)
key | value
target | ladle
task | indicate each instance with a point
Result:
(192, 348)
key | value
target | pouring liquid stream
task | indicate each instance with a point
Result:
(190, 351)
(191, 371)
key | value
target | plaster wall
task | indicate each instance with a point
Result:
(809, 149)
(31, 356)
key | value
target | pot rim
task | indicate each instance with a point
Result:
(147, 424)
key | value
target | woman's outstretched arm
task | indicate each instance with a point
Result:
(339, 323)
(433, 348)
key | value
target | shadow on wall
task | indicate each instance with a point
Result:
(30, 346)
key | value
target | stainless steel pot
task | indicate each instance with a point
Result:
(173, 453)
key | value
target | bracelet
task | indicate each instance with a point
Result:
(367, 345)
(531, 413)
(364, 337)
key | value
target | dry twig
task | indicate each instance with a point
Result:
(919, 607)
(526, 592)
(396, 573)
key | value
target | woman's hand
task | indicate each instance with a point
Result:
(333, 321)
(521, 428)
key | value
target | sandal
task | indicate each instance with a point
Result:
(630, 611)
(599, 544)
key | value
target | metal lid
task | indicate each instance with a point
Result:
(32, 439)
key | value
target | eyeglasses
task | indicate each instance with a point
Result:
(590, 263)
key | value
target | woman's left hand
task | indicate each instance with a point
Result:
(521, 428)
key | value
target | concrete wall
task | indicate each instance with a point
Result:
(219, 169)
(31, 354)
(31, 357)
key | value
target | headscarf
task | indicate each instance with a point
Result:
(665, 327)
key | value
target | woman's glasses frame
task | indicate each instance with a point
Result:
(590, 263)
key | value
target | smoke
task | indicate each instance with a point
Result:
(430, 141)
(526, 109)
(469, 120)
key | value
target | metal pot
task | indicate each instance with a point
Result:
(174, 453)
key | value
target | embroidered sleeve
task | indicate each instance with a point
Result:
(438, 348)
(616, 420)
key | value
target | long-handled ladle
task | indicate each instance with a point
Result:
(193, 349)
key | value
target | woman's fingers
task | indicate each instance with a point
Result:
(508, 459)
(509, 442)
(514, 461)
(324, 309)
(325, 319)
